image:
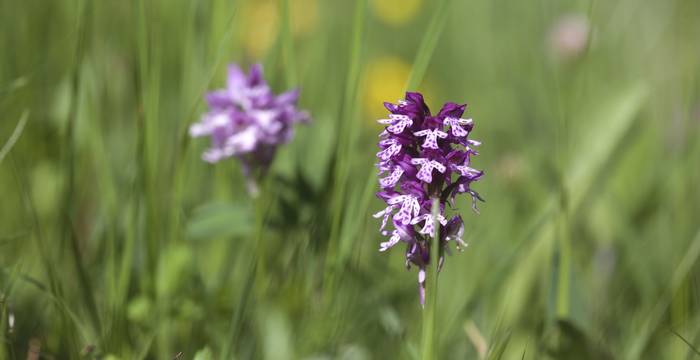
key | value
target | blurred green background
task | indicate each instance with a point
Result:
(118, 242)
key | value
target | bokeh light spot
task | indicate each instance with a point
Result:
(384, 80)
(395, 12)
(261, 28)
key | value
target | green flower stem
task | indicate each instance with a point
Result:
(564, 273)
(430, 307)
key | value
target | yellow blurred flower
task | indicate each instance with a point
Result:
(395, 12)
(262, 23)
(260, 28)
(304, 15)
(385, 79)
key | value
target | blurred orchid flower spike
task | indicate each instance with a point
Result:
(248, 121)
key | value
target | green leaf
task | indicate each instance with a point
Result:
(277, 339)
(684, 268)
(568, 341)
(173, 269)
(220, 220)
(204, 354)
(497, 351)
(15, 135)
(612, 120)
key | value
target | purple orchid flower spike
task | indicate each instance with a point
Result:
(424, 157)
(248, 121)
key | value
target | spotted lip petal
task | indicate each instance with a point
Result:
(426, 168)
(456, 126)
(424, 156)
(392, 179)
(431, 137)
(399, 123)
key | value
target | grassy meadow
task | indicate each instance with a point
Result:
(118, 242)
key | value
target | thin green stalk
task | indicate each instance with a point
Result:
(428, 340)
(68, 234)
(562, 229)
(262, 205)
(149, 92)
(15, 135)
(55, 289)
(564, 274)
(3, 328)
(180, 165)
(428, 44)
(345, 139)
(231, 341)
(288, 45)
(680, 275)
(256, 277)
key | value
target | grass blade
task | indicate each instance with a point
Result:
(428, 44)
(345, 139)
(691, 257)
(615, 119)
(15, 135)
(691, 346)
(429, 349)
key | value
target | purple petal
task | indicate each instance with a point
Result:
(287, 98)
(218, 99)
(255, 76)
(417, 99)
(236, 78)
(391, 107)
(452, 110)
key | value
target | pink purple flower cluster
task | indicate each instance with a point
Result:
(419, 155)
(247, 120)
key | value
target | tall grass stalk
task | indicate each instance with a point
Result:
(3, 327)
(345, 140)
(678, 279)
(263, 204)
(256, 277)
(563, 286)
(428, 340)
(289, 56)
(179, 163)
(564, 268)
(68, 231)
(15, 135)
(428, 44)
(233, 336)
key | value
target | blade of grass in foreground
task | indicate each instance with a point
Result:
(290, 68)
(15, 135)
(3, 329)
(345, 135)
(641, 338)
(68, 320)
(184, 137)
(257, 280)
(428, 44)
(428, 349)
(616, 117)
(147, 126)
(68, 202)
